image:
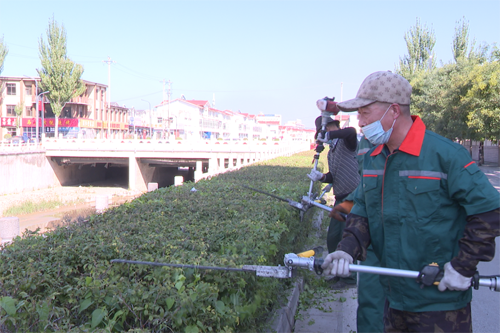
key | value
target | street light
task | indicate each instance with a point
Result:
(43, 127)
(43, 115)
(150, 121)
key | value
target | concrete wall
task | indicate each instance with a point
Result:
(491, 152)
(26, 171)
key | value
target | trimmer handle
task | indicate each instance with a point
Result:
(430, 275)
(317, 266)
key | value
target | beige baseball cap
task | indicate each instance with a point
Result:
(384, 86)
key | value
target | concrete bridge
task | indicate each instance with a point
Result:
(59, 162)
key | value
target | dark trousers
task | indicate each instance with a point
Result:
(433, 321)
(336, 228)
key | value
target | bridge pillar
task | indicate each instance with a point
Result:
(213, 165)
(139, 175)
(198, 173)
(132, 167)
(239, 158)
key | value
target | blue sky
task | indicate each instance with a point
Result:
(271, 57)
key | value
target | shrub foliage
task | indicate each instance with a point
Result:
(63, 280)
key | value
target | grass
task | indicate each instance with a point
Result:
(29, 206)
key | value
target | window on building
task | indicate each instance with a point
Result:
(11, 88)
(29, 90)
(28, 112)
(160, 120)
(11, 110)
(11, 131)
(66, 113)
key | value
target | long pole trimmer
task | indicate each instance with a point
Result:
(303, 205)
(429, 275)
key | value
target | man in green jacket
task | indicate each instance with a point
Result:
(371, 297)
(421, 200)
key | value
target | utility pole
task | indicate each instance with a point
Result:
(168, 108)
(163, 108)
(109, 62)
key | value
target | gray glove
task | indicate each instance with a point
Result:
(453, 280)
(315, 175)
(337, 263)
(322, 138)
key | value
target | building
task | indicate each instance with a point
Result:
(196, 119)
(85, 116)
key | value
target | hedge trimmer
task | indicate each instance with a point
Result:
(305, 203)
(429, 275)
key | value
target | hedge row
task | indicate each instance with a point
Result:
(63, 280)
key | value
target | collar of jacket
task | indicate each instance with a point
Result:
(413, 140)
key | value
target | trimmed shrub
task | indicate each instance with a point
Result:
(63, 280)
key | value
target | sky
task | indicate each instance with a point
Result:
(270, 57)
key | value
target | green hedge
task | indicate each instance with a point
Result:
(63, 280)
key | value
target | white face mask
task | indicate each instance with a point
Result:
(375, 133)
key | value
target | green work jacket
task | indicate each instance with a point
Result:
(416, 201)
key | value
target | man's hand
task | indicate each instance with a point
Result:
(315, 175)
(453, 280)
(323, 137)
(343, 207)
(337, 263)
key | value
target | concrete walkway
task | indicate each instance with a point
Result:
(343, 315)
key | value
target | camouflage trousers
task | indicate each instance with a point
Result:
(433, 321)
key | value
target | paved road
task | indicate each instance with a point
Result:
(486, 303)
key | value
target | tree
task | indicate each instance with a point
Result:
(3, 53)
(420, 41)
(59, 75)
(19, 112)
(461, 40)
(483, 98)
(461, 48)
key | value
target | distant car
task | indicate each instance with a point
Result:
(16, 140)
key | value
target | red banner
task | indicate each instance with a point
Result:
(8, 121)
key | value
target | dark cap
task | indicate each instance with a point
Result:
(319, 120)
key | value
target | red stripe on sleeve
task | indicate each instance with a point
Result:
(469, 164)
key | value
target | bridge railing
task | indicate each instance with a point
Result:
(6, 147)
(285, 146)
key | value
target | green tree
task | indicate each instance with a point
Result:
(3, 53)
(483, 98)
(462, 48)
(420, 41)
(59, 75)
(19, 112)
(461, 40)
